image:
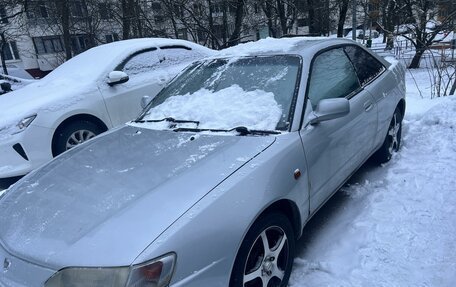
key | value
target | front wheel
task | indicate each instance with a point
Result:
(266, 255)
(73, 134)
(392, 140)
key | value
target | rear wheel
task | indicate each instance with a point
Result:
(266, 256)
(73, 134)
(392, 140)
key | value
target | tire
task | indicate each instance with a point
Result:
(73, 134)
(392, 141)
(257, 266)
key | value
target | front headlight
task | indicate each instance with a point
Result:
(154, 273)
(17, 127)
(24, 123)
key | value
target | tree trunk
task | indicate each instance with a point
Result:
(415, 64)
(342, 16)
(267, 8)
(236, 35)
(312, 20)
(125, 20)
(224, 23)
(63, 9)
(282, 17)
(2, 53)
(211, 25)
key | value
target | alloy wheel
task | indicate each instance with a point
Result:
(267, 259)
(394, 134)
(78, 137)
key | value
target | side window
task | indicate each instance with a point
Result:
(332, 76)
(367, 67)
(142, 62)
(175, 55)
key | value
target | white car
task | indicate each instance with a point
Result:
(91, 93)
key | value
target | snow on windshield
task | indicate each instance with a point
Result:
(223, 109)
(224, 93)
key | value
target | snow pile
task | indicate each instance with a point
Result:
(223, 109)
(393, 225)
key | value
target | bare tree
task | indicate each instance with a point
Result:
(11, 12)
(424, 27)
(343, 9)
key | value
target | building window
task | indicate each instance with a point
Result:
(105, 11)
(10, 51)
(80, 43)
(46, 45)
(76, 9)
(37, 9)
(112, 37)
(182, 34)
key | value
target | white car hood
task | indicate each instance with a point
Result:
(43, 95)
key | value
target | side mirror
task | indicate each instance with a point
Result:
(145, 100)
(117, 77)
(328, 109)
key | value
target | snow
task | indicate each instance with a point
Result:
(392, 225)
(223, 109)
(268, 45)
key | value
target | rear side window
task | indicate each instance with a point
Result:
(175, 55)
(141, 62)
(366, 66)
(332, 76)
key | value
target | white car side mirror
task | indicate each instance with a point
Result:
(117, 77)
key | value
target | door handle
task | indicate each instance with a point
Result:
(368, 106)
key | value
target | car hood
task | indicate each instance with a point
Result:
(103, 203)
(44, 95)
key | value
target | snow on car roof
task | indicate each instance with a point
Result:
(91, 63)
(274, 45)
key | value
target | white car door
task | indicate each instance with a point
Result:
(335, 148)
(123, 101)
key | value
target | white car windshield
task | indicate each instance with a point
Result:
(257, 93)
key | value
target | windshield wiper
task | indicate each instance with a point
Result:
(168, 119)
(241, 130)
(199, 130)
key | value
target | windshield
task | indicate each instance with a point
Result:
(252, 92)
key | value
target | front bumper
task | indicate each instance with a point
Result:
(25, 151)
(15, 272)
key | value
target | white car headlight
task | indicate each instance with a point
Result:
(24, 123)
(17, 127)
(154, 273)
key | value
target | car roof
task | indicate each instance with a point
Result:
(307, 47)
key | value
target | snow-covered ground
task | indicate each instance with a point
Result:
(393, 225)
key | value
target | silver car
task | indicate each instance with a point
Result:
(214, 182)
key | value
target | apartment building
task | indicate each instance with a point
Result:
(34, 39)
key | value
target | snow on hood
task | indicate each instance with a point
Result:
(223, 109)
(41, 95)
(117, 192)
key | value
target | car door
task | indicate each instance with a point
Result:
(335, 148)
(123, 101)
(377, 80)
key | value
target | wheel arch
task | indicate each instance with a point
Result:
(290, 210)
(75, 118)
(401, 106)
